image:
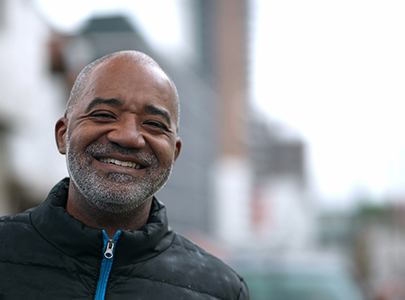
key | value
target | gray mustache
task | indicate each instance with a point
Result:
(108, 149)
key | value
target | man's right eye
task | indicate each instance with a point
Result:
(102, 115)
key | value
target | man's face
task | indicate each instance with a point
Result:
(120, 138)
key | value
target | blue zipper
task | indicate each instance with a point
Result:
(106, 263)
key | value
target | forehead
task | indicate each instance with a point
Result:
(135, 83)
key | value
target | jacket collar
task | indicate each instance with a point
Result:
(84, 243)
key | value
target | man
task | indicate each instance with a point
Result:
(101, 234)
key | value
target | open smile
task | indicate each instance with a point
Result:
(128, 164)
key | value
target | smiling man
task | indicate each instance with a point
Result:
(101, 233)
(120, 139)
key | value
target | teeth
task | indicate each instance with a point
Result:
(117, 162)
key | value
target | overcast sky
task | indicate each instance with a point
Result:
(332, 70)
(335, 71)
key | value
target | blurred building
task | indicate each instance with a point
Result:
(29, 107)
(283, 216)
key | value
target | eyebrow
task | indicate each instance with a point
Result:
(99, 101)
(154, 110)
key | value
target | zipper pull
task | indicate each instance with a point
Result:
(108, 253)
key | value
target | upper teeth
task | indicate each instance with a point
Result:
(117, 162)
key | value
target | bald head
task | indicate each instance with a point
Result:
(132, 56)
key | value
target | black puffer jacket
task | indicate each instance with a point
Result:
(47, 254)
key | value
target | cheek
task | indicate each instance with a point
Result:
(72, 144)
(164, 150)
(79, 138)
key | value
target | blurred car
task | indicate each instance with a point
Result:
(301, 280)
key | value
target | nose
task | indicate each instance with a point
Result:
(126, 133)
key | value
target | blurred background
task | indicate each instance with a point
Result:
(293, 165)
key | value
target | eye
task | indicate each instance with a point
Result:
(103, 115)
(156, 124)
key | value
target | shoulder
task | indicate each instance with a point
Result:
(210, 268)
(17, 235)
(188, 265)
(197, 255)
(15, 229)
(14, 222)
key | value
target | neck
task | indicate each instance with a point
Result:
(83, 211)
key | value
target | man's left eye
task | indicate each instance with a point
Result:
(156, 124)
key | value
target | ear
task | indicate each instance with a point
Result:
(178, 148)
(60, 134)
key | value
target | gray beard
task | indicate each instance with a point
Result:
(115, 193)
